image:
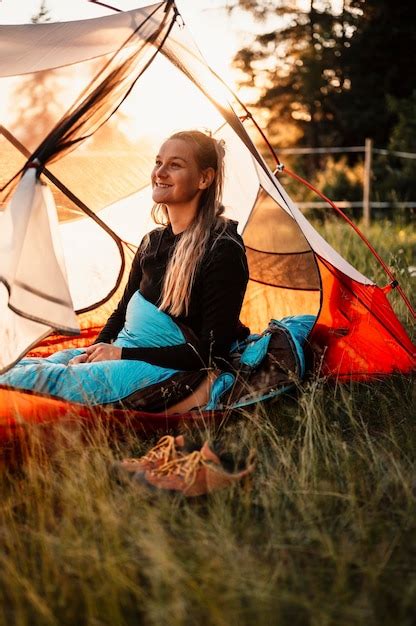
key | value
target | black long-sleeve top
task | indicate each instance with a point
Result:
(214, 308)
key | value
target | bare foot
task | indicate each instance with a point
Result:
(198, 398)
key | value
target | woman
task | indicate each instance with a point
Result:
(181, 305)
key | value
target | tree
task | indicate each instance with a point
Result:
(395, 175)
(43, 15)
(379, 67)
(37, 108)
(327, 76)
(298, 68)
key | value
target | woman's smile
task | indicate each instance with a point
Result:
(175, 177)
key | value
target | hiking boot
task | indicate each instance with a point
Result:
(194, 474)
(167, 449)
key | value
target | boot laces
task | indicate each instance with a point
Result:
(186, 467)
(162, 450)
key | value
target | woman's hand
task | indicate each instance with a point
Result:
(97, 352)
(81, 358)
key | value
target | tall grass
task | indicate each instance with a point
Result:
(395, 241)
(323, 533)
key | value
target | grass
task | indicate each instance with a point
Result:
(323, 534)
(396, 244)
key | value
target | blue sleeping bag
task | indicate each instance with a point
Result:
(103, 382)
(109, 382)
(266, 365)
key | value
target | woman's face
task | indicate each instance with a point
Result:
(176, 178)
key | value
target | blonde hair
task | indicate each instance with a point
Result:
(189, 251)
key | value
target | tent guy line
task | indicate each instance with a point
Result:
(394, 284)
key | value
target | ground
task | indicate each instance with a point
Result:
(323, 533)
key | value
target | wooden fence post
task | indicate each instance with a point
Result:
(367, 182)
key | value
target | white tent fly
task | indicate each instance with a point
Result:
(87, 103)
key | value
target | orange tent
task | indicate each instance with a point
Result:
(96, 98)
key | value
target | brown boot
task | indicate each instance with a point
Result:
(167, 449)
(194, 474)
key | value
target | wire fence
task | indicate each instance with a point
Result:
(366, 204)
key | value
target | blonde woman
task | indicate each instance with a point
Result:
(179, 313)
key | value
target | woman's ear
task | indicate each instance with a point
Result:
(206, 178)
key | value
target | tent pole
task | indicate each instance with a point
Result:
(248, 114)
(107, 6)
(394, 283)
(280, 167)
(84, 208)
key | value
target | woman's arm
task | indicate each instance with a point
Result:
(224, 285)
(184, 356)
(224, 276)
(101, 350)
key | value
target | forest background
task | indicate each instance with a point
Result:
(334, 74)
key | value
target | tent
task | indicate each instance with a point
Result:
(84, 107)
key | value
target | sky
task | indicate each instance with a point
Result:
(218, 35)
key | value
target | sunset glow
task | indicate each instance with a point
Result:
(160, 111)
